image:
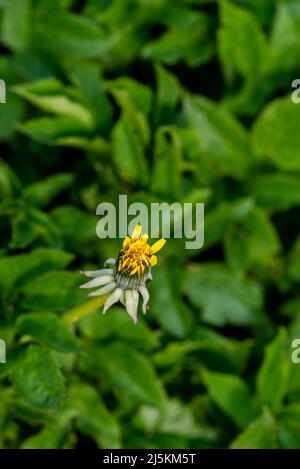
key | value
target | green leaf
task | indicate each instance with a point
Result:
(16, 30)
(262, 9)
(87, 78)
(232, 395)
(221, 136)
(41, 193)
(130, 373)
(50, 437)
(50, 130)
(167, 97)
(49, 330)
(140, 95)
(289, 427)
(167, 154)
(92, 418)
(176, 419)
(236, 248)
(182, 43)
(276, 191)
(274, 369)
(16, 270)
(45, 291)
(166, 303)
(219, 220)
(222, 353)
(284, 41)
(38, 379)
(24, 231)
(129, 139)
(9, 183)
(254, 241)
(50, 96)
(293, 262)
(45, 227)
(13, 113)
(223, 295)
(118, 325)
(275, 134)
(68, 220)
(70, 34)
(260, 434)
(242, 44)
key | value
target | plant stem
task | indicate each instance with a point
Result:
(73, 315)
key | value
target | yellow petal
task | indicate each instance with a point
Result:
(134, 270)
(153, 260)
(158, 245)
(126, 243)
(145, 237)
(136, 232)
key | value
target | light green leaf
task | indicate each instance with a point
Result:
(140, 95)
(70, 34)
(260, 434)
(274, 370)
(16, 29)
(241, 42)
(276, 191)
(284, 41)
(275, 134)
(50, 130)
(176, 419)
(49, 95)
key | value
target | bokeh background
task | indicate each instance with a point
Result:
(163, 100)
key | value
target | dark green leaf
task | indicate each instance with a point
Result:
(49, 330)
(38, 379)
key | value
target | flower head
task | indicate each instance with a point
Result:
(126, 277)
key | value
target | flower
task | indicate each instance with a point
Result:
(125, 278)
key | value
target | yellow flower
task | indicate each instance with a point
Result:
(128, 274)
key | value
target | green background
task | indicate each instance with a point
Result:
(163, 100)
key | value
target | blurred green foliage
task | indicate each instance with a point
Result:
(163, 100)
